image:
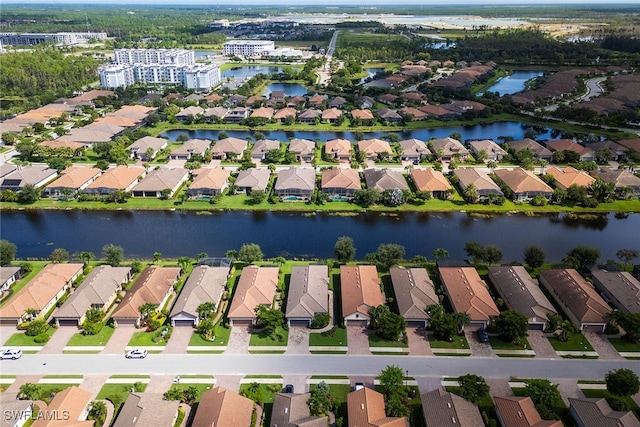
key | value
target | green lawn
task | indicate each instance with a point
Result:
(458, 342)
(339, 339)
(118, 393)
(100, 339)
(221, 337)
(279, 337)
(201, 388)
(376, 341)
(622, 345)
(144, 339)
(37, 267)
(339, 393)
(498, 344)
(604, 393)
(576, 342)
(261, 394)
(47, 391)
(559, 408)
(20, 339)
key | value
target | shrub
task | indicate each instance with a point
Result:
(36, 327)
(91, 328)
(41, 339)
(320, 320)
(330, 333)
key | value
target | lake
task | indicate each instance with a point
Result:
(514, 83)
(248, 71)
(289, 89)
(174, 234)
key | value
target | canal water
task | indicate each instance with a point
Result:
(514, 83)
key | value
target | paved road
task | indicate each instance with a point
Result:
(360, 365)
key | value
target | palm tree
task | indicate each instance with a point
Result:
(439, 253)
(86, 257)
(98, 412)
(492, 164)
(202, 255)
(184, 262)
(147, 309)
(29, 391)
(205, 309)
(156, 257)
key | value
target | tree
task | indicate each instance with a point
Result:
(7, 252)
(367, 197)
(98, 412)
(534, 256)
(184, 262)
(472, 388)
(444, 324)
(206, 329)
(29, 391)
(388, 325)
(622, 382)
(86, 257)
(59, 255)
(492, 254)
(250, 253)
(320, 401)
(113, 254)
(344, 250)
(156, 257)
(269, 318)
(147, 310)
(29, 194)
(474, 250)
(395, 393)
(94, 315)
(586, 256)
(439, 253)
(470, 194)
(626, 256)
(630, 322)
(511, 325)
(257, 196)
(206, 309)
(566, 329)
(388, 255)
(543, 394)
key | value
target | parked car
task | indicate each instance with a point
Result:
(11, 353)
(358, 386)
(136, 354)
(483, 336)
(288, 388)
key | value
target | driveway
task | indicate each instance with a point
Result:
(299, 382)
(230, 382)
(6, 332)
(119, 340)
(499, 387)
(602, 346)
(568, 388)
(298, 340)
(418, 342)
(93, 384)
(59, 340)
(238, 340)
(180, 337)
(541, 345)
(478, 349)
(357, 340)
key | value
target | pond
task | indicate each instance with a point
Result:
(289, 89)
(248, 71)
(514, 83)
(371, 73)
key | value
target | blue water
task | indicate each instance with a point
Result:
(514, 83)
(250, 71)
(289, 89)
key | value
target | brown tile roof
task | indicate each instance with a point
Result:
(285, 112)
(291, 410)
(217, 112)
(339, 147)
(71, 407)
(488, 146)
(360, 289)
(631, 144)
(435, 110)
(75, 177)
(296, 178)
(143, 144)
(388, 114)
(262, 113)
(362, 114)
(414, 113)
(308, 291)
(63, 144)
(414, 291)
(316, 100)
(257, 286)
(468, 293)
(153, 284)
(523, 181)
(596, 412)
(385, 179)
(568, 145)
(118, 178)
(120, 121)
(213, 98)
(443, 409)
(331, 114)
(214, 178)
(365, 408)
(147, 409)
(520, 412)
(220, 407)
(529, 144)
(301, 146)
(340, 178)
(375, 146)
(160, 179)
(255, 178)
(449, 146)
(93, 94)
(483, 183)
(621, 178)
(414, 146)
(230, 145)
(193, 146)
(568, 176)
(429, 180)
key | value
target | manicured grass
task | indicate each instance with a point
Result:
(264, 376)
(604, 393)
(21, 339)
(200, 387)
(47, 390)
(458, 342)
(37, 267)
(221, 337)
(559, 408)
(622, 345)
(498, 344)
(144, 339)
(262, 339)
(99, 339)
(261, 393)
(339, 393)
(576, 342)
(376, 341)
(339, 339)
(118, 393)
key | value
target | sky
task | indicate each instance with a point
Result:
(396, 3)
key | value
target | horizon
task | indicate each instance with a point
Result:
(368, 4)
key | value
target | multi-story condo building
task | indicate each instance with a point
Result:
(247, 47)
(155, 56)
(60, 39)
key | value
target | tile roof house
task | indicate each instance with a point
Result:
(337, 102)
(297, 101)
(147, 409)
(8, 276)
(596, 412)
(513, 411)
(414, 292)
(189, 148)
(331, 115)
(443, 409)
(40, 293)
(524, 184)
(388, 98)
(413, 149)
(72, 407)
(586, 154)
(365, 102)
(263, 113)
(493, 151)
(411, 114)
(215, 114)
(220, 407)
(303, 149)
(618, 152)
(229, 148)
(255, 100)
(483, 183)
(375, 149)
(581, 302)
(119, 178)
(360, 289)
(339, 149)
(17, 412)
(262, 147)
(236, 115)
(308, 294)
(93, 133)
(98, 290)
(432, 181)
(317, 100)
(209, 181)
(256, 286)
(159, 180)
(362, 115)
(282, 114)
(189, 114)
(73, 179)
(291, 410)
(522, 293)
(295, 184)
(154, 285)
(539, 151)
(76, 147)
(437, 111)
(147, 145)
(631, 144)
(309, 116)
(385, 179)
(252, 179)
(468, 293)
(236, 100)
(448, 148)
(36, 175)
(566, 177)
(205, 284)
(277, 96)
(389, 115)
(621, 179)
(340, 183)
(619, 288)
(365, 408)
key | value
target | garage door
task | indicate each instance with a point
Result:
(68, 322)
(415, 323)
(304, 323)
(361, 323)
(536, 326)
(245, 323)
(8, 322)
(183, 323)
(126, 322)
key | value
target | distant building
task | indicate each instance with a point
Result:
(59, 39)
(247, 47)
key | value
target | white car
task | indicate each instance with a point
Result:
(136, 354)
(11, 353)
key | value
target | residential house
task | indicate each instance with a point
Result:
(596, 412)
(619, 288)
(147, 148)
(209, 182)
(308, 294)
(586, 154)
(291, 410)
(579, 299)
(147, 409)
(438, 112)
(190, 148)
(6, 169)
(412, 97)
(253, 179)
(284, 114)
(119, 178)
(295, 184)
(385, 179)
(431, 181)
(297, 101)
(72, 180)
(93, 133)
(411, 114)
(388, 98)
(8, 276)
(566, 177)
(631, 144)
(262, 147)
(310, 116)
(519, 411)
(480, 180)
(256, 286)
(160, 181)
(40, 294)
(71, 406)
(340, 183)
(236, 100)
(220, 407)
(277, 96)
(229, 148)
(618, 152)
(214, 99)
(523, 184)
(360, 290)
(522, 293)
(98, 290)
(365, 102)
(338, 102)
(413, 150)
(365, 408)
(76, 147)
(493, 151)
(621, 178)
(539, 151)
(190, 114)
(448, 149)
(17, 411)
(154, 285)
(255, 101)
(262, 114)
(303, 149)
(339, 149)
(317, 101)
(215, 114)
(331, 115)
(236, 115)
(205, 284)
(443, 409)
(389, 115)
(468, 293)
(362, 116)
(414, 292)
(36, 175)
(375, 149)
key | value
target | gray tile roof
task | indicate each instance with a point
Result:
(385, 179)
(308, 291)
(622, 286)
(205, 284)
(597, 413)
(414, 291)
(291, 410)
(255, 178)
(147, 409)
(442, 409)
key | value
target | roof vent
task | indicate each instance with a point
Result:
(453, 420)
(520, 414)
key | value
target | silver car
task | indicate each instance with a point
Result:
(11, 353)
(136, 354)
